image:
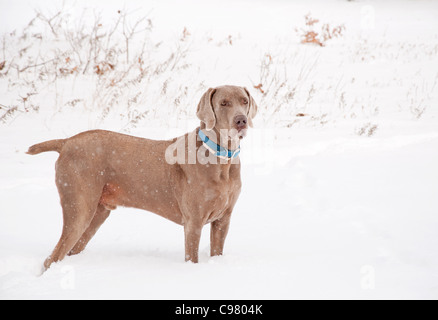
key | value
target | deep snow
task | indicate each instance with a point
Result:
(325, 212)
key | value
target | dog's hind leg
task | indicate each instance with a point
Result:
(99, 218)
(79, 200)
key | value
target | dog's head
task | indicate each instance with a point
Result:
(228, 108)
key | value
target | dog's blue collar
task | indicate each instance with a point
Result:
(218, 150)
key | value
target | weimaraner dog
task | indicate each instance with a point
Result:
(191, 180)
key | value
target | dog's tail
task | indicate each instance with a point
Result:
(52, 145)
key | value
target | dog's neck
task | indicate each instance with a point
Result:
(219, 138)
(220, 170)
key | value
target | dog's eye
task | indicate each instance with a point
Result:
(245, 101)
(224, 103)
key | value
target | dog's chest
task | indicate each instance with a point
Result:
(219, 198)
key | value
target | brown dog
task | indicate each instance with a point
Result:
(190, 180)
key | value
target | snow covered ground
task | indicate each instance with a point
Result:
(340, 202)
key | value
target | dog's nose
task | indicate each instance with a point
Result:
(240, 121)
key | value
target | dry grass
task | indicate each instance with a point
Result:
(115, 70)
(315, 34)
(117, 57)
(368, 129)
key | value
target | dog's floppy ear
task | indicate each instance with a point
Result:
(205, 111)
(252, 111)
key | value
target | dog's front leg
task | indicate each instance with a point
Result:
(218, 233)
(192, 234)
